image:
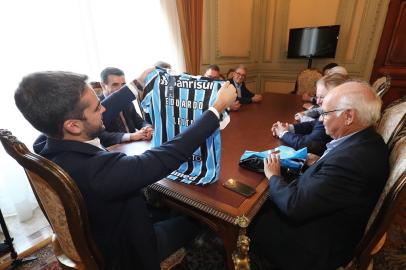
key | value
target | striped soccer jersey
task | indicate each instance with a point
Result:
(174, 102)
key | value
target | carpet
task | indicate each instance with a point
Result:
(207, 252)
(46, 260)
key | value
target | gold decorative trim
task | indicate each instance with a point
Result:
(242, 221)
(241, 258)
(196, 204)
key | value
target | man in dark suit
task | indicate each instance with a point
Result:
(128, 125)
(244, 96)
(310, 134)
(316, 221)
(71, 116)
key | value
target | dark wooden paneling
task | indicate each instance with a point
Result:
(391, 56)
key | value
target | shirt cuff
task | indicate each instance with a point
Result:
(214, 110)
(291, 128)
(283, 133)
(126, 137)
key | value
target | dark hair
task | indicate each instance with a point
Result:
(328, 66)
(214, 67)
(162, 64)
(47, 99)
(110, 71)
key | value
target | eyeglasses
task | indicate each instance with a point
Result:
(323, 113)
(239, 74)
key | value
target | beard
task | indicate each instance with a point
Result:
(95, 132)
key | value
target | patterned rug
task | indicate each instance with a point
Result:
(46, 260)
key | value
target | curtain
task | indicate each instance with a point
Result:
(190, 21)
(172, 22)
(82, 36)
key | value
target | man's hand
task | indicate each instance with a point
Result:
(139, 82)
(272, 165)
(225, 97)
(308, 106)
(311, 159)
(235, 106)
(278, 128)
(139, 135)
(298, 116)
(256, 98)
(143, 75)
(149, 132)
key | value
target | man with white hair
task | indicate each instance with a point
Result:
(316, 221)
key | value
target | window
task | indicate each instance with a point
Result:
(83, 36)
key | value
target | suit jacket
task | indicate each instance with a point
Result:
(246, 95)
(110, 184)
(308, 134)
(316, 221)
(114, 132)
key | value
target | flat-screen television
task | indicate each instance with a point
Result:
(313, 42)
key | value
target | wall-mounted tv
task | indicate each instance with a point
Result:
(313, 42)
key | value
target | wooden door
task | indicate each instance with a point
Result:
(391, 56)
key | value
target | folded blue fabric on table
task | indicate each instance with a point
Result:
(290, 158)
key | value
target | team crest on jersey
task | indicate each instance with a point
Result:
(163, 81)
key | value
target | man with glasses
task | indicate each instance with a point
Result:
(128, 125)
(316, 221)
(244, 96)
(309, 134)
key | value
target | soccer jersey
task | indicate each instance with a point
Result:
(174, 102)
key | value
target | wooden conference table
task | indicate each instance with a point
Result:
(224, 211)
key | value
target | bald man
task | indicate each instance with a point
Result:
(316, 221)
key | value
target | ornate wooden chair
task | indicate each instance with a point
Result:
(306, 82)
(382, 85)
(392, 122)
(62, 204)
(385, 209)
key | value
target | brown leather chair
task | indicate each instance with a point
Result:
(392, 122)
(306, 82)
(62, 204)
(385, 209)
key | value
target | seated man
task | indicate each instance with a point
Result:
(311, 134)
(213, 72)
(316, 221)
(123, 127)
(71, 116)
(244, 95)
(328, 69)
(328, 82)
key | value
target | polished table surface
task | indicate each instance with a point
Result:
(249, 129)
